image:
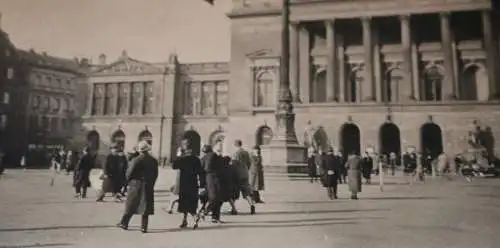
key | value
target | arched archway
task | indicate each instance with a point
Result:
(217, 142)
(431, 139)
(263, 136)
(93, 141)
(194, 141)
(319, 87)
(264, 89)
(433, 80)
(147, 136)
(390, 139)
(118, 139)
(350, 139)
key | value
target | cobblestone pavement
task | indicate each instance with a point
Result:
(439, 213)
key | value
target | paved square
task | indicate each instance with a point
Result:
(439, 213)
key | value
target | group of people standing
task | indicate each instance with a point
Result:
(216, 179)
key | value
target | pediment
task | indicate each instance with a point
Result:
(129, 66)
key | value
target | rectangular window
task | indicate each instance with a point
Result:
(207, 98)
(123, 98)
(196, 98)
(222, 98)
(6, 98)
(3, 121)
(188, 106)
(136, 98)
(98, 103)
(149, 97)
(108, 100)
(10, 73)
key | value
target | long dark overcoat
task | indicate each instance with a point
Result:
(229, 189)
(311, 165)
(142, 173)
(354, 173)
(81, 173)
(113, 170)
(333, 164)
(212, 164)
(367, 167)
(190, 172)
(256, 173)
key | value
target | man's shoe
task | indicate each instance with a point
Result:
(252, 210)
(183, 224)
(122, 226)
(144, 230)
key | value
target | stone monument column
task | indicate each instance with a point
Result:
(331, 64)
(284, 154)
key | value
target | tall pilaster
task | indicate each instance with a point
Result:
(377, 66)
(490, 51)
(416, 75)
(116, 87)
(90, 100)
(305, 64)
(341, 68)
(130, 92)
(409, 93)
(449, 87)
(295, 61)
(331, 64)
(367, 86)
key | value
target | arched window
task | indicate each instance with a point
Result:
(392, 83)
(265, 90)
(264, 136)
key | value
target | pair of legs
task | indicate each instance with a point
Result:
(256, 197)
(342, 178)
(81, 191)
(126, 220)
(332, 191)
(354, 195)
(102, 194)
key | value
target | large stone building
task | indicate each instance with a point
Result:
(12, 95)
(55, 99)
(386, 74)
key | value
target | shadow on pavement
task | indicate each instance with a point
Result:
(229, 226)
(400, 198)
(37, 245)
(298, 221)
(48, 228)
(316, 211)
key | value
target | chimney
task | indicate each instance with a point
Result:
(102, 59)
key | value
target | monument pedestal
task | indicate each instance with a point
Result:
(284, 158)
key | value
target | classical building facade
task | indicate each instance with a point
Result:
(55, 99)
(386, 74)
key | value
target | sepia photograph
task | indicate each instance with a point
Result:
(250, 123)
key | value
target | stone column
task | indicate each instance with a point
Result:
(90, 99)
(305, 64)
(367, 87)
(416, 72)
(377, 67)
(407, 58)
(117, 96)
(449, 87)
(341, 68)
(490, 51)
(214, 98)
(295, 61)
(130, 96)
(331, 64)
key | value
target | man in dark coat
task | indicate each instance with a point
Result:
(331, 166)
(367, 167)
(311, 165)
(256, 173)
(112, 176)
(241, 162)
(343, 170)
(228, 180)
(191, 179)
(81, 173)
(211, 164)
(141, 176)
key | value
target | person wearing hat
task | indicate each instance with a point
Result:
(256, 174)
(112, 175)
(331, 166)
(81, 173)
(191, 179)
(212, 164)
(141, 176)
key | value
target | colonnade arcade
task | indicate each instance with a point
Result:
(431, 57)
(117, 138)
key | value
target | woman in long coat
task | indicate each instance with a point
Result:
(190, 173)
(367, 167)
(256, 174)
(354, 175)
(141, 176)
(112, 175)
(229, 184)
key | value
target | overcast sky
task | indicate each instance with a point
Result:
(148, 29)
